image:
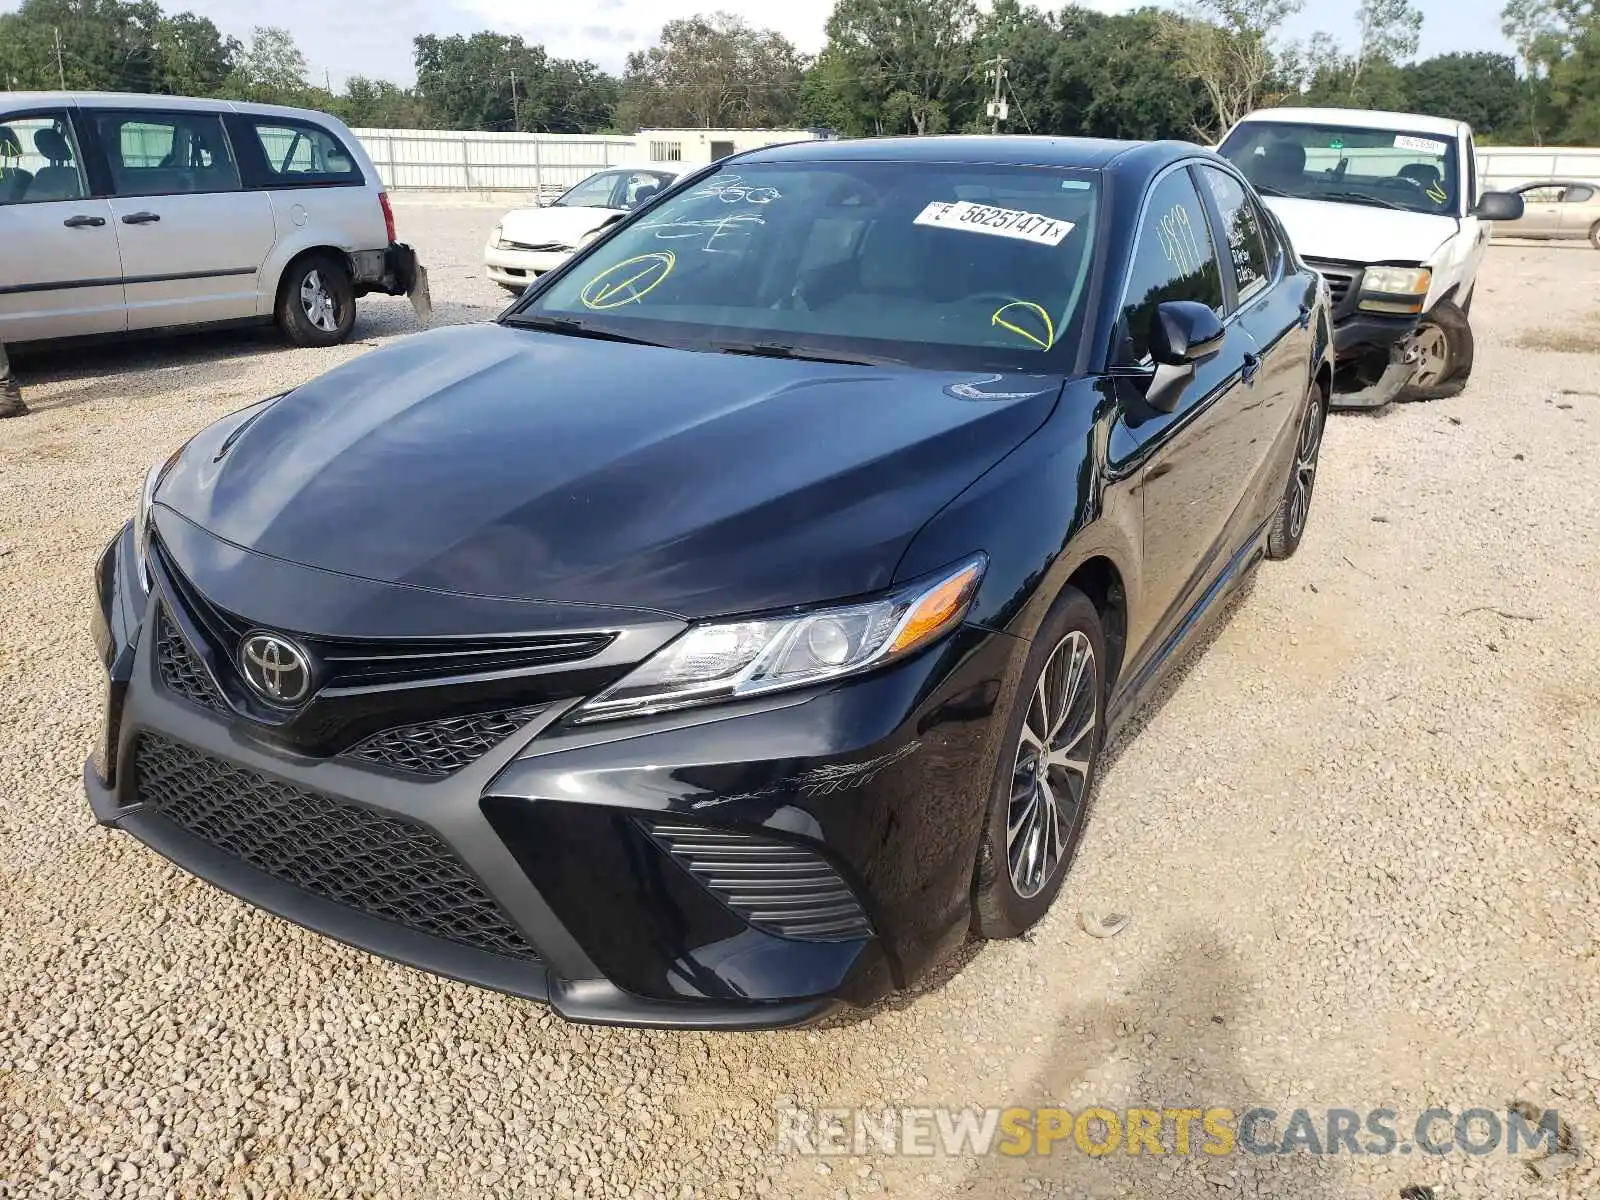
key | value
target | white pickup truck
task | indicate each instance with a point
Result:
(1386, 206)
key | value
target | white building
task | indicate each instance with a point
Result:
(709, 145)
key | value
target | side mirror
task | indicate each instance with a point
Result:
(1499, 206)
(1182, 332)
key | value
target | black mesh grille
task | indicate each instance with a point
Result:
(1341, 284)
(182, 673)
(778, 887)
(381, 865)
(437, 748)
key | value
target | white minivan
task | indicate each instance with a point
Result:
(1386, 207)
(120, 214)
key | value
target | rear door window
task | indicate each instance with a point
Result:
(1242, 227)
(166, 154)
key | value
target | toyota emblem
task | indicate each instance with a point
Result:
(276, 668)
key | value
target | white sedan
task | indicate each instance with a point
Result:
(530, 241)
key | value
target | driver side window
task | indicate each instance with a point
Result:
(1174, 259)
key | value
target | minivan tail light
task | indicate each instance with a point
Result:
(388, 215)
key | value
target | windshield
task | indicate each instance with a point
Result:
(1382, 168)
(614, 189)
(930, 264)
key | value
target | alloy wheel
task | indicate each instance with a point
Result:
(1432, 349)
(1305, 466)
(318, 304)
(1050, 780)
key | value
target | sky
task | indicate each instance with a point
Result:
(341, 38)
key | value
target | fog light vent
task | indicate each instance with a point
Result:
(778, 887)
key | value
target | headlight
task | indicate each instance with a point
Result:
(734, 659)
(1395, 289)
(497, 239)
(141, 522)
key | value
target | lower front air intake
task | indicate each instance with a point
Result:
(778, 887)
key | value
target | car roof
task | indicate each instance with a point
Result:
(660, 168)
(986, 149)
(20, 100)
(1359, 118)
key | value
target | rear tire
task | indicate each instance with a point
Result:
(1036, 816)
(1294, 506)
(316, 302)
(1444, 337)
(1594, 235)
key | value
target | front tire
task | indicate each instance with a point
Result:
(1444, 344)
(1294, 506)
(1050, 749)
(316, 302)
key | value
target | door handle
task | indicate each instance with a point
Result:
(1305, 316)
(141, 218)
(1252, 364)
(82, 222)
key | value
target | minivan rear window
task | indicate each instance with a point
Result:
(299, 153)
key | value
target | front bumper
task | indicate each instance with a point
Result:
(560, 831)
(1374, 360)
(518, 268)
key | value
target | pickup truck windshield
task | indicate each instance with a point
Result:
(946, 265)
(1383, 168)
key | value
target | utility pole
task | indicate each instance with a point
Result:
(516, 109)
(61, 70)
(998, 108)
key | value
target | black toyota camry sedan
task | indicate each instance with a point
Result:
(734, 625)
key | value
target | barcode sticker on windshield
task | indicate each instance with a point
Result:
(1001, 222)
(1404, 141)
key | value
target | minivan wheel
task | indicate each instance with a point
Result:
(1040, 794)
(1294, 506)
(1443, 344)
(316, 302)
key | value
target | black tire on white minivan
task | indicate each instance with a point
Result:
(1444, 342)
(316, 301)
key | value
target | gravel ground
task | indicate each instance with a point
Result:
(1359, 841)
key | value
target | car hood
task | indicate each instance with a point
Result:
(1360, 233)
(533, 226)
(509, 463)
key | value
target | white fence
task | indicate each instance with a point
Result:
(1501, 167)
(454, 161)
(448, 160)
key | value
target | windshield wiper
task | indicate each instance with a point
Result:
(779, 350)
(575, 328)
(1266, 189)
(1367, 198)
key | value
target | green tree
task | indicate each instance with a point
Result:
(378, 104)
(713, 70)
(106, 45)
(1115, 75)
(271, 70)
(1390, 31)
(1531, 26)
(824, 101)
(499, 82)
(191, 56)
(1228, 46)
(907, 64)
(1481, 89)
